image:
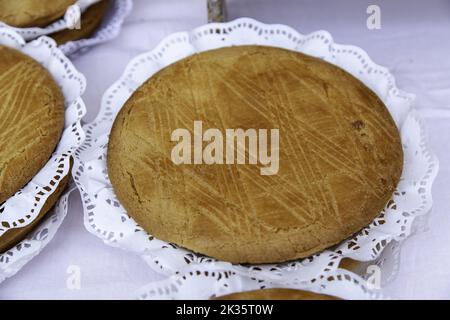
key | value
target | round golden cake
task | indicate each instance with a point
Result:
(340, 155)
(32, 13)
(276, 294)
(31, 119)
(90, 21)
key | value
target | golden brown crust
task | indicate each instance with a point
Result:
(31, 119)
(32, 13)
(349, 264)
(90, 21)
(13, 236)
(340, 155)
(276, 294)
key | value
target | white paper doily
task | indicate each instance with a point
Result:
(23, 207)
(106, 218)
(110, 28)
(15, 258)
(58, 25)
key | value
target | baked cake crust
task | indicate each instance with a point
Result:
(31, 119)
(32, 13)
(276, 294)
(340, 155)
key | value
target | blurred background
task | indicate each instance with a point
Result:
(413, 40)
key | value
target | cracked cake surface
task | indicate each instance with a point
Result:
(276, 294)
(340, 155)
(31, 119)
(32, 13)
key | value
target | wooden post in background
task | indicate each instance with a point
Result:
(216, 11)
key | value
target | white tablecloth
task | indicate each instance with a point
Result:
(413, 42)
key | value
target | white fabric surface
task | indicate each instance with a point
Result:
(413, 42)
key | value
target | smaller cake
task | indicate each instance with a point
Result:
(276, 294)
(32, 13)
(91, 19)
(32, 120)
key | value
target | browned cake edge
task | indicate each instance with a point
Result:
(13, 236)
(44, 20)
(276, 294)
